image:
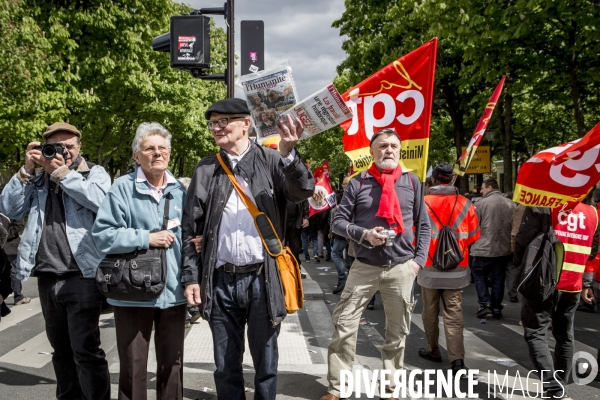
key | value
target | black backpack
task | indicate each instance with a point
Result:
(448, 253)
(539, 268)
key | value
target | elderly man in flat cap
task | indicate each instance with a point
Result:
(61, 199)
(226, 270)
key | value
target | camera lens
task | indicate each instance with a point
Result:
(48, 151)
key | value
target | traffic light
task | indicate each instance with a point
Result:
(188, 42)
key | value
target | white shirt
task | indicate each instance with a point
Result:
(239, 242)
(156, 192)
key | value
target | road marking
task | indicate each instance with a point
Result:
(480, 355)
(21, 313)
(36, 352)
(552, 342)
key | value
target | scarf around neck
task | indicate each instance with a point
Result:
(389, 205)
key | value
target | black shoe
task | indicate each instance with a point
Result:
(302, 275)
(457, 366)
(424, 354)
(483, 312)
(317, 259)
(514, 299)
(328, 258)
(340, 286)
(497, 315)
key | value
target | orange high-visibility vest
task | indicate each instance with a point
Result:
(463, 222)
(575, 229)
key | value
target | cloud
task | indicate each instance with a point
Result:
(300, 32)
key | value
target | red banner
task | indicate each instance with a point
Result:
(469, 153)
(323, 197)
(399, 97)
(561, 174)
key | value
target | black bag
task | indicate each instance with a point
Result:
(135, 276)
(448, 253)
(538, 273)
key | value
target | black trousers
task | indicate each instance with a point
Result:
(71, 308)
(536, 317)
(293, 240)
(134, 328)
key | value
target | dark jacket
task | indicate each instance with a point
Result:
(357, 212)
(494, 212)
(5, 287)
(272, 186)
(13, 240)
(532, 222)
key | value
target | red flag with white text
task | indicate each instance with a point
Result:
(469, 153)
(561, 174)
(398, 96)
(323, 197)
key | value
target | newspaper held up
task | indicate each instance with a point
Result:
(268, 93)
(320, 111)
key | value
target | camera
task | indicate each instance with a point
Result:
(49, 150)
(391, 235)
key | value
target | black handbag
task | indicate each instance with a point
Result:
(136, 276)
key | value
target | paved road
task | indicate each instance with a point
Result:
(26, 370)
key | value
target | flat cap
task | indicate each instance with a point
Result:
(228, 106)
(443, 172)
(61, 127)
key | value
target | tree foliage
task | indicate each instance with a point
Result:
(91, 63)
(548, 50)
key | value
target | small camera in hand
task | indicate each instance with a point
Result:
(390, 234)
(49, 150)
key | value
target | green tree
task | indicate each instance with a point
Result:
(111, 80)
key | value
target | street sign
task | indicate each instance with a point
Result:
(480, 163)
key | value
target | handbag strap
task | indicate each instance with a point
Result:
(254, 211)
(166, 212)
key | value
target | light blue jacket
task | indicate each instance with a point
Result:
(81, 196)
(124, 222)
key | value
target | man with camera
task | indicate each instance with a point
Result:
(61, 199)
(379, 209)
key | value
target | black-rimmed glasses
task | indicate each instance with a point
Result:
(222, 123)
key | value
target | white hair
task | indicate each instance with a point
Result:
(147, 129)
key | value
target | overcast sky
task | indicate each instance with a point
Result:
(298, 31)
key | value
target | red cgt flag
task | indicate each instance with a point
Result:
(568, 173)
(398, 96)
(323, 197)
(467, 156)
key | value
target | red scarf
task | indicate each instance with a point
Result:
(389, 205)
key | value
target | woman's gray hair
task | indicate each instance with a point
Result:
(147, 129)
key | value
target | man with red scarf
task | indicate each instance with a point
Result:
(379, 209)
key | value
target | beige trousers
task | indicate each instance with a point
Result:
(453, 321)
(395, 284)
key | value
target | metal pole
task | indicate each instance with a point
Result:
(229, 78)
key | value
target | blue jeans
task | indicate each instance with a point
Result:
(337, 252)
(71, 308)
(306, 236)
(240, 299)
(481, 267)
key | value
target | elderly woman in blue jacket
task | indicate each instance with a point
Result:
(129, 219)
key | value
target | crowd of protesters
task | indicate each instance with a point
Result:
(382, 235)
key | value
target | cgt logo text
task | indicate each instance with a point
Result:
(416, 383)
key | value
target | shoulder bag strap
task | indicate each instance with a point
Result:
(263, 224)
(166, 212)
